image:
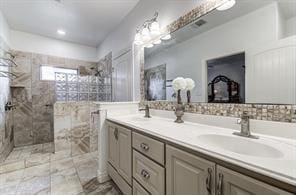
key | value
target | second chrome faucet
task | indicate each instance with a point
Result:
(147, 111)
(245, 127)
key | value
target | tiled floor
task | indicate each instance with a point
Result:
(33, 170)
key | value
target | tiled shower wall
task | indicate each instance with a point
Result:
(34, 99)
(6, 131)
(76, 127)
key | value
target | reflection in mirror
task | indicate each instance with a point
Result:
(246, 54)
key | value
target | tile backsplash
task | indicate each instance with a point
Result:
(280, 113)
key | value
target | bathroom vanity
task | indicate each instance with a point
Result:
(157, 156)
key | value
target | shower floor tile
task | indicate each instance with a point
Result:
(32, 170)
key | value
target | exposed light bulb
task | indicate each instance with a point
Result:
(227, 5)
(146, 34)
(61, 32)
(155, 28)
(166, 37)
(150, 45)
(138, 39)
(157, 42)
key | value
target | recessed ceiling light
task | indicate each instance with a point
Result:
(227, 5)
(61, 32)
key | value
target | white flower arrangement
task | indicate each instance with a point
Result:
(190, 84)
(179, 83)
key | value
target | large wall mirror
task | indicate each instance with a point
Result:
(246, 54)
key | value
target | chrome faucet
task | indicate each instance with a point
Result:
(147, 111)
(245, 127)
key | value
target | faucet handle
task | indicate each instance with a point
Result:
(239, 121)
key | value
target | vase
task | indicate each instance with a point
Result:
(188, 96)
(179, 112)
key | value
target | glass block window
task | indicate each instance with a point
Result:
(49, 73)
(71, 87)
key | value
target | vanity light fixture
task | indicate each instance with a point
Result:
(166, 37)
(146, 34)
(61, 32)
(150, 45)
(138, 38)
(149, 31)
(227, 5)
(157, 42)
(155, 28)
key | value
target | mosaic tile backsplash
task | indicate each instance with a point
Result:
(282, 113)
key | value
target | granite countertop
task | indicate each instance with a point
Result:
(186, 135)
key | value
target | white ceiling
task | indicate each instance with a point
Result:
(86, 22)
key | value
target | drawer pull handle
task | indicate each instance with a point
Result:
(209, 181)
(145, 174)
(116, 133)
(219, 187)
(144, 146)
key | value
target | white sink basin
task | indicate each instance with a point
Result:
(244, 146)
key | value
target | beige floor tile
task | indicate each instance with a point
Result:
(37, 171)
(60, 155)
(66, 184)
(37, 159)
(87, 170)
(60, 165)
(11, 166)
(45, 173)
(11, 179)
(8, 190)
(34, 186)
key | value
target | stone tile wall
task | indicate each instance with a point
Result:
(34, 99)
(282, 113)
(75, 128)
(6, 128)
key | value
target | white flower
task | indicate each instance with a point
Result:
(190, 84)
(179, 83)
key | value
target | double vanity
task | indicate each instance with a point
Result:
(157, 156)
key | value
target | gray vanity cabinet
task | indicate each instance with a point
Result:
(141, 165)
(113, 152)
(188, 174)
(119, 151)
(233, 183)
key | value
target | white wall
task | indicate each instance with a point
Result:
(236, 36)
(291, 26)
(4, 29)
(39, 44)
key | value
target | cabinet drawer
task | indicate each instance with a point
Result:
(148, 173)
(150, 147)
(138, 189)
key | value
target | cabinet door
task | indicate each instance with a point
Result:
(113, 152)
(233, 183)
(188, 174)
(125, 151)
